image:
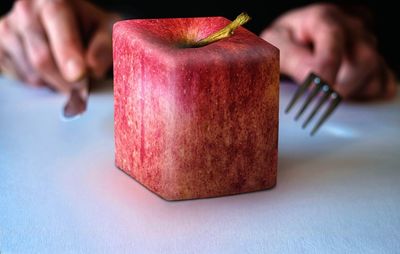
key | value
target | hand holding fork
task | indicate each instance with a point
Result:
(337, 47)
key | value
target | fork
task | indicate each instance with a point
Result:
(314, 86)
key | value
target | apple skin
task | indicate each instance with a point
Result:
(195, 122)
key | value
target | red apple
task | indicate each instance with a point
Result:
(195, 122)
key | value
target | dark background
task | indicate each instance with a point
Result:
(384, 15)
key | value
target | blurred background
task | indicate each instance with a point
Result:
(383, 15)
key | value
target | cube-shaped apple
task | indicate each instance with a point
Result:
(195, 122)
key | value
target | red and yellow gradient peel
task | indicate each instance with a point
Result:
(195, 122)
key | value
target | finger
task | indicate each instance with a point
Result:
(2, 54)
(6, 65)
(390, 88)
(329, 49)
(370, 90)
(298, 63)
(2, 58)
(296, 60)
(37, 47)
(382, 85)
(320, 29)
(350, 79)
(99, 50)
(12, 46)
(357, 69)
(357, 30)
(99, 54)
(63, 32)
(8, 69)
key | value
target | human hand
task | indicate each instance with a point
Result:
(335, 45)
(56, 42)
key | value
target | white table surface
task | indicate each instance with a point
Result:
(337, 192)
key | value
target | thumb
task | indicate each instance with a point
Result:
(99, 53)
(329, 49)
(296, 60)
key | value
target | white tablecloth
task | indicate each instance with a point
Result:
(337, 192)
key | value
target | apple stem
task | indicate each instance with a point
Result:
(224, 32)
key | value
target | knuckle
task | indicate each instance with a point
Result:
(328, 17)
(24, 17)
(332, 30)
(30, 29)
(21, 7)
(335, 30)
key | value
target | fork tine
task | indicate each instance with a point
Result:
(328, 94)
(334, 103)
(310, 97)
(326, 91)
(300, 90)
